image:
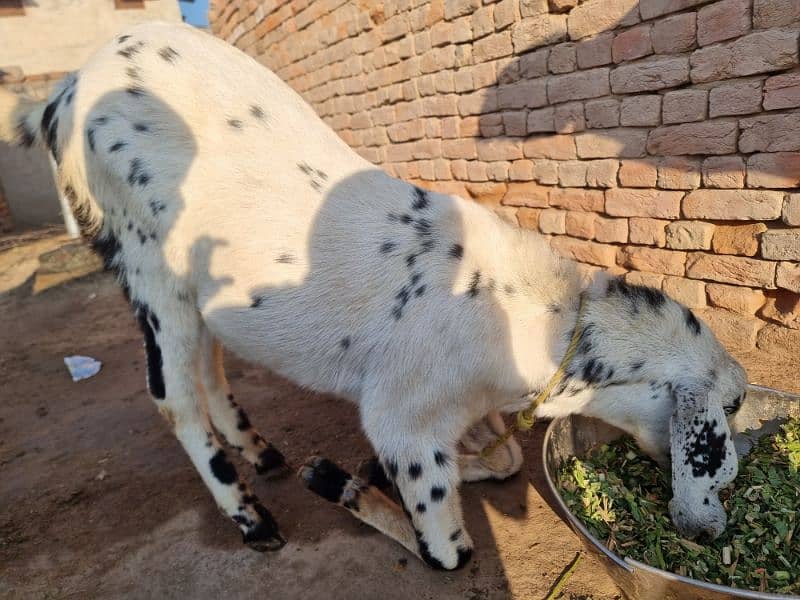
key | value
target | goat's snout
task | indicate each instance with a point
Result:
(697, 517)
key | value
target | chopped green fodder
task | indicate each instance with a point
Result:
(621, 496)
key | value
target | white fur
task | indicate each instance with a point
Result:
(244, 197)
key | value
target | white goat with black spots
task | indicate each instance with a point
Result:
(235, 217)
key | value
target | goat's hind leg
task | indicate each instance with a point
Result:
(502, 462)
(172, 334)
(230, 419)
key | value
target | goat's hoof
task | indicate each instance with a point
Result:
(264, 536)
(324, 478)
(372, 472)
(272, 464)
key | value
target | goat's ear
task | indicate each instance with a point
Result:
(703, 459)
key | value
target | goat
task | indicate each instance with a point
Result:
(234, 217)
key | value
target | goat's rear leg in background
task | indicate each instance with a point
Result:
(230, 419)
(173, 333)
(502, 462)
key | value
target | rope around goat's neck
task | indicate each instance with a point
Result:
(525, 417)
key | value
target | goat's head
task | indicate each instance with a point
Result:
(646, 365)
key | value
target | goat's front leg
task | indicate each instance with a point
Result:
(172, 334)
(502, 462)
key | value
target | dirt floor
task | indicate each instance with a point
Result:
(97, 499)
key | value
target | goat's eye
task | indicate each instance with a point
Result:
(732, 408)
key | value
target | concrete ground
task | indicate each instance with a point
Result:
(98, 500)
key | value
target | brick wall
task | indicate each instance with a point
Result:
(660, 138)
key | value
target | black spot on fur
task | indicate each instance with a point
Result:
(52, 140)
(636, 294)
(455, 535)
(509, 289)
(269, 459)
(155, 362)
(387, 247)
(553, 308)
(25, 136)
(441, 458)
(691, 322)
(265, 534)
(242, 421)
(392, 466)
(154, 320)
(90, 138)
(130, 225)
(425, 553)
(222, 468)
(419, 291)
(70, 96)
(345, 343)
(134, 73)
(411, 259)
(257, 111)
(256, 301)
(706, 451)
(117, 146)
(423, 226)
(130, 51)
(438, 493)
(142, 236)
(285, 258)
(235, 123)
(421, 508)
(464, 554)
(168, 54)
(328, 480)
(140, 127)
(456, 251)
(137, 174)
(474, 283)
(405, 219)
(414, 471)
(420, 199)
(637, 365)
(121, 39)
(135, 91)
(156, 207)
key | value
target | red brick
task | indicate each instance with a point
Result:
(552, 221)
(545, 171)
(572, 173)
(708, 137)
(595, 51)
(493, 46)
(674, 34)
(521, 94)
(568, 118)
(735, 332)
(542, 119)
(778, 340)
(651, 232)
(653, 260)
(653, 280)
(533, 64)
(643, 203)
(758, 52)
(459, 8)
(791, 210)
(632, 44)
(528, 218)
(655, 8)
(736, 98)
(641, 111)
(781, 244)
(612, 143)
(638, 173)
(689, 235)
(577, 199)
(596, 16)
(684, 106)
(788, 276)
(541, 30)
(585, 251)
(610, 230)
(738, 239)
(782, 307)
(770, 133)
(602, 113)
(679, 173)
(722, 21)
(737, 205)
(556, 147)
(578, 86)
(500, 149)
(723, 172)
(580, 224)
(498, 170)
(477, 171)
(774, 170)
(775, 13)
(562, 58)
(650, 75)
(530, 194)
(782, 91)
(479, 102)
(742, 300)
(686, 291)
(603, 173)
(462, 148)
(731, 269)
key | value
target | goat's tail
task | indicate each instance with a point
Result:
(20, 119)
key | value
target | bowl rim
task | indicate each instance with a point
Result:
(629, 564)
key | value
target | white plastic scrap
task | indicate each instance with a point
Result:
(82, 367)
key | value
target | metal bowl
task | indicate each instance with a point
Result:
(761, 414)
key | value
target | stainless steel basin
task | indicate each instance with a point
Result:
(761, 414)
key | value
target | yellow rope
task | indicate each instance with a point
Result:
(525, 417)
